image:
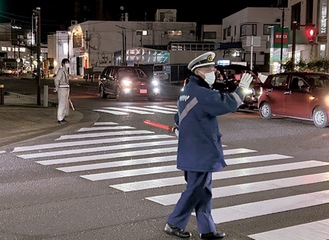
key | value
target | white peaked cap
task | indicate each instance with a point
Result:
(203, 60)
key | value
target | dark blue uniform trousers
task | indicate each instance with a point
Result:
(197, 196)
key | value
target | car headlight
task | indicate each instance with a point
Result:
(126, 82)
(155, 82)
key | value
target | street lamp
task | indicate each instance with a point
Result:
(38, 31)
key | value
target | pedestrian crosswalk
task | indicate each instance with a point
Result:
(146, 110)
(99, 152)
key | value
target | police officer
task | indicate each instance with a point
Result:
(200, 150)
(62, 87)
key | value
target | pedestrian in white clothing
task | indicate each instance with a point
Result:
(62, 87)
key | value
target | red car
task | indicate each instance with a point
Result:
(228, 78)
(300, 95)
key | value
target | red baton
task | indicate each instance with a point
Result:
(160, 125)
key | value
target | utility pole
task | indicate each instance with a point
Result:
(38, 35)
(293, 47)
(296, 26)
(282, 33)
(124, 44)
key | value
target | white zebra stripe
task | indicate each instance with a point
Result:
(111, 112)
(163, 182)
(153, 110)
(139, 161)
(170, 199)
(90, 142)
(105, 123)
(314, 230)
(107, 156)
(105, 128)
(97, 149)
(260, 208)
(103, 134)
(163, 108)
(144, 171)
(127, 109)
(129, 173)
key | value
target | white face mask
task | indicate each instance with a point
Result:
(209, 77)
(67, 65)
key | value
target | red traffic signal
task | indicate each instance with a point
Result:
(310, 34)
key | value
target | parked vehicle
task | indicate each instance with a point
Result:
(93, 73)
(35, 73)
(228, 77)
(157, 70)
(122, 82)
(301, 95)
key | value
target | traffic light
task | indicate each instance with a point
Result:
(311, 34)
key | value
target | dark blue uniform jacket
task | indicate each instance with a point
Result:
(199, 142)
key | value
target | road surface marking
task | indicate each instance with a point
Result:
(97, 149)
(163, 182)
(105, 128)
(139, 161)
(126, 109)
(111, 112)
(170, 199)
(260, 208)
(153, 110)
(103, 134)
(90, 142)
(314, 230)
(107, 156)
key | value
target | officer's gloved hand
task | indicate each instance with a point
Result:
(245, 80)
(176, 131)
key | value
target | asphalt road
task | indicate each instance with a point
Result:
(114, 177)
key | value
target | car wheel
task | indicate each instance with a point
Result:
(151, 98)
(265, 111)
(102, 93)
(118, 94)
(320, 117)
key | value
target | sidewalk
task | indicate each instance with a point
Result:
(21, 118)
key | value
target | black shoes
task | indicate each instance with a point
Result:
(63, 121)
(181, 233)
(213, 235)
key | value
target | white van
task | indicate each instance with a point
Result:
(158, 71)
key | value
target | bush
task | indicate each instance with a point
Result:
(314, 65)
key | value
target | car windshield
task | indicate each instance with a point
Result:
(124, 72)
(319, 81)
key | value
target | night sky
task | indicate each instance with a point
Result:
(57, 15)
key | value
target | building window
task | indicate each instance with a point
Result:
(191, 46)
(309, 11)
(267, 28)
(295, 13)
(322, 52)
(175, 33)
(77, 40)
(209, 35)
(248, 30)
(229, 31)
(323, 16)
(142, 32)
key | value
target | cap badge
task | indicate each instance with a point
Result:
(210, 58)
